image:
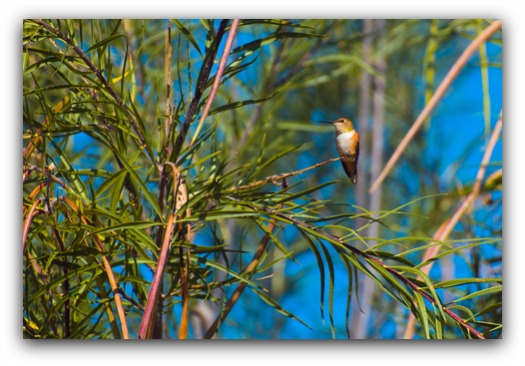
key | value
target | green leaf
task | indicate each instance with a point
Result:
(239, 104)
(331, 285)
(283, 22)
(255, 45)
(217, 265)
(422, 311)
(146, 192)
(320, 265)
(274, 240)
(465, 281)
(187, 34)
(486, 291)
(134, 225)
(104, 42)
(303, 193)
(427, 281)
(274, 304)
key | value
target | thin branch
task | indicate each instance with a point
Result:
(51, 177)
(180, 195)
(37, 138)
(58, 238)
(169, 116)
(477, 184)
(27, 224)
(446, 228)
(166, 147)
(454, 71)
(148, 320)
(199, 89)
(115, 288)
(278, 177)
(218, 76)
(102, 79)
(370, 257)
(261, 249)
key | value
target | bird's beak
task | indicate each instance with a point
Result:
(326, 122)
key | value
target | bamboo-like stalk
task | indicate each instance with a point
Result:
(446, 228)
(365, 86)
(218, 76)
(199, 89)
(166, 148)
(362, 313)
(167, 72)
(150, 313)
(362, 199)
(452, 74)
(27, 224)
(115, 288)
(180, 194)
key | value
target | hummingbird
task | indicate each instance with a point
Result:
(347, 144)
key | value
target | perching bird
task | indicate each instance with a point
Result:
(347, 144)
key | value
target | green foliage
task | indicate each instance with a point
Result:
(109, 110)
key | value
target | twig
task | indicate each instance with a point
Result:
(451, 223)
(218, 76)
(37, 138)
(169, 116)
(180, 196)
(454, 71)
(108, 269)
(107, 266)
(27, 224)
(379, 262)
(167, 145)
(148, 320)
(278, 177)
(199, 89)
(101, 77)
(261, 248)
(406, 281)
(446, 228)
(58, 238)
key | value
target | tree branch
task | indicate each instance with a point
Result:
(446, 228)
(261, 248)
(199, 89)
(102, 79)
(148, 320)
(277, 177)
(454, 71)
(218, 76)
(406, 281)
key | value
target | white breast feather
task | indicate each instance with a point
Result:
(344, 142)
